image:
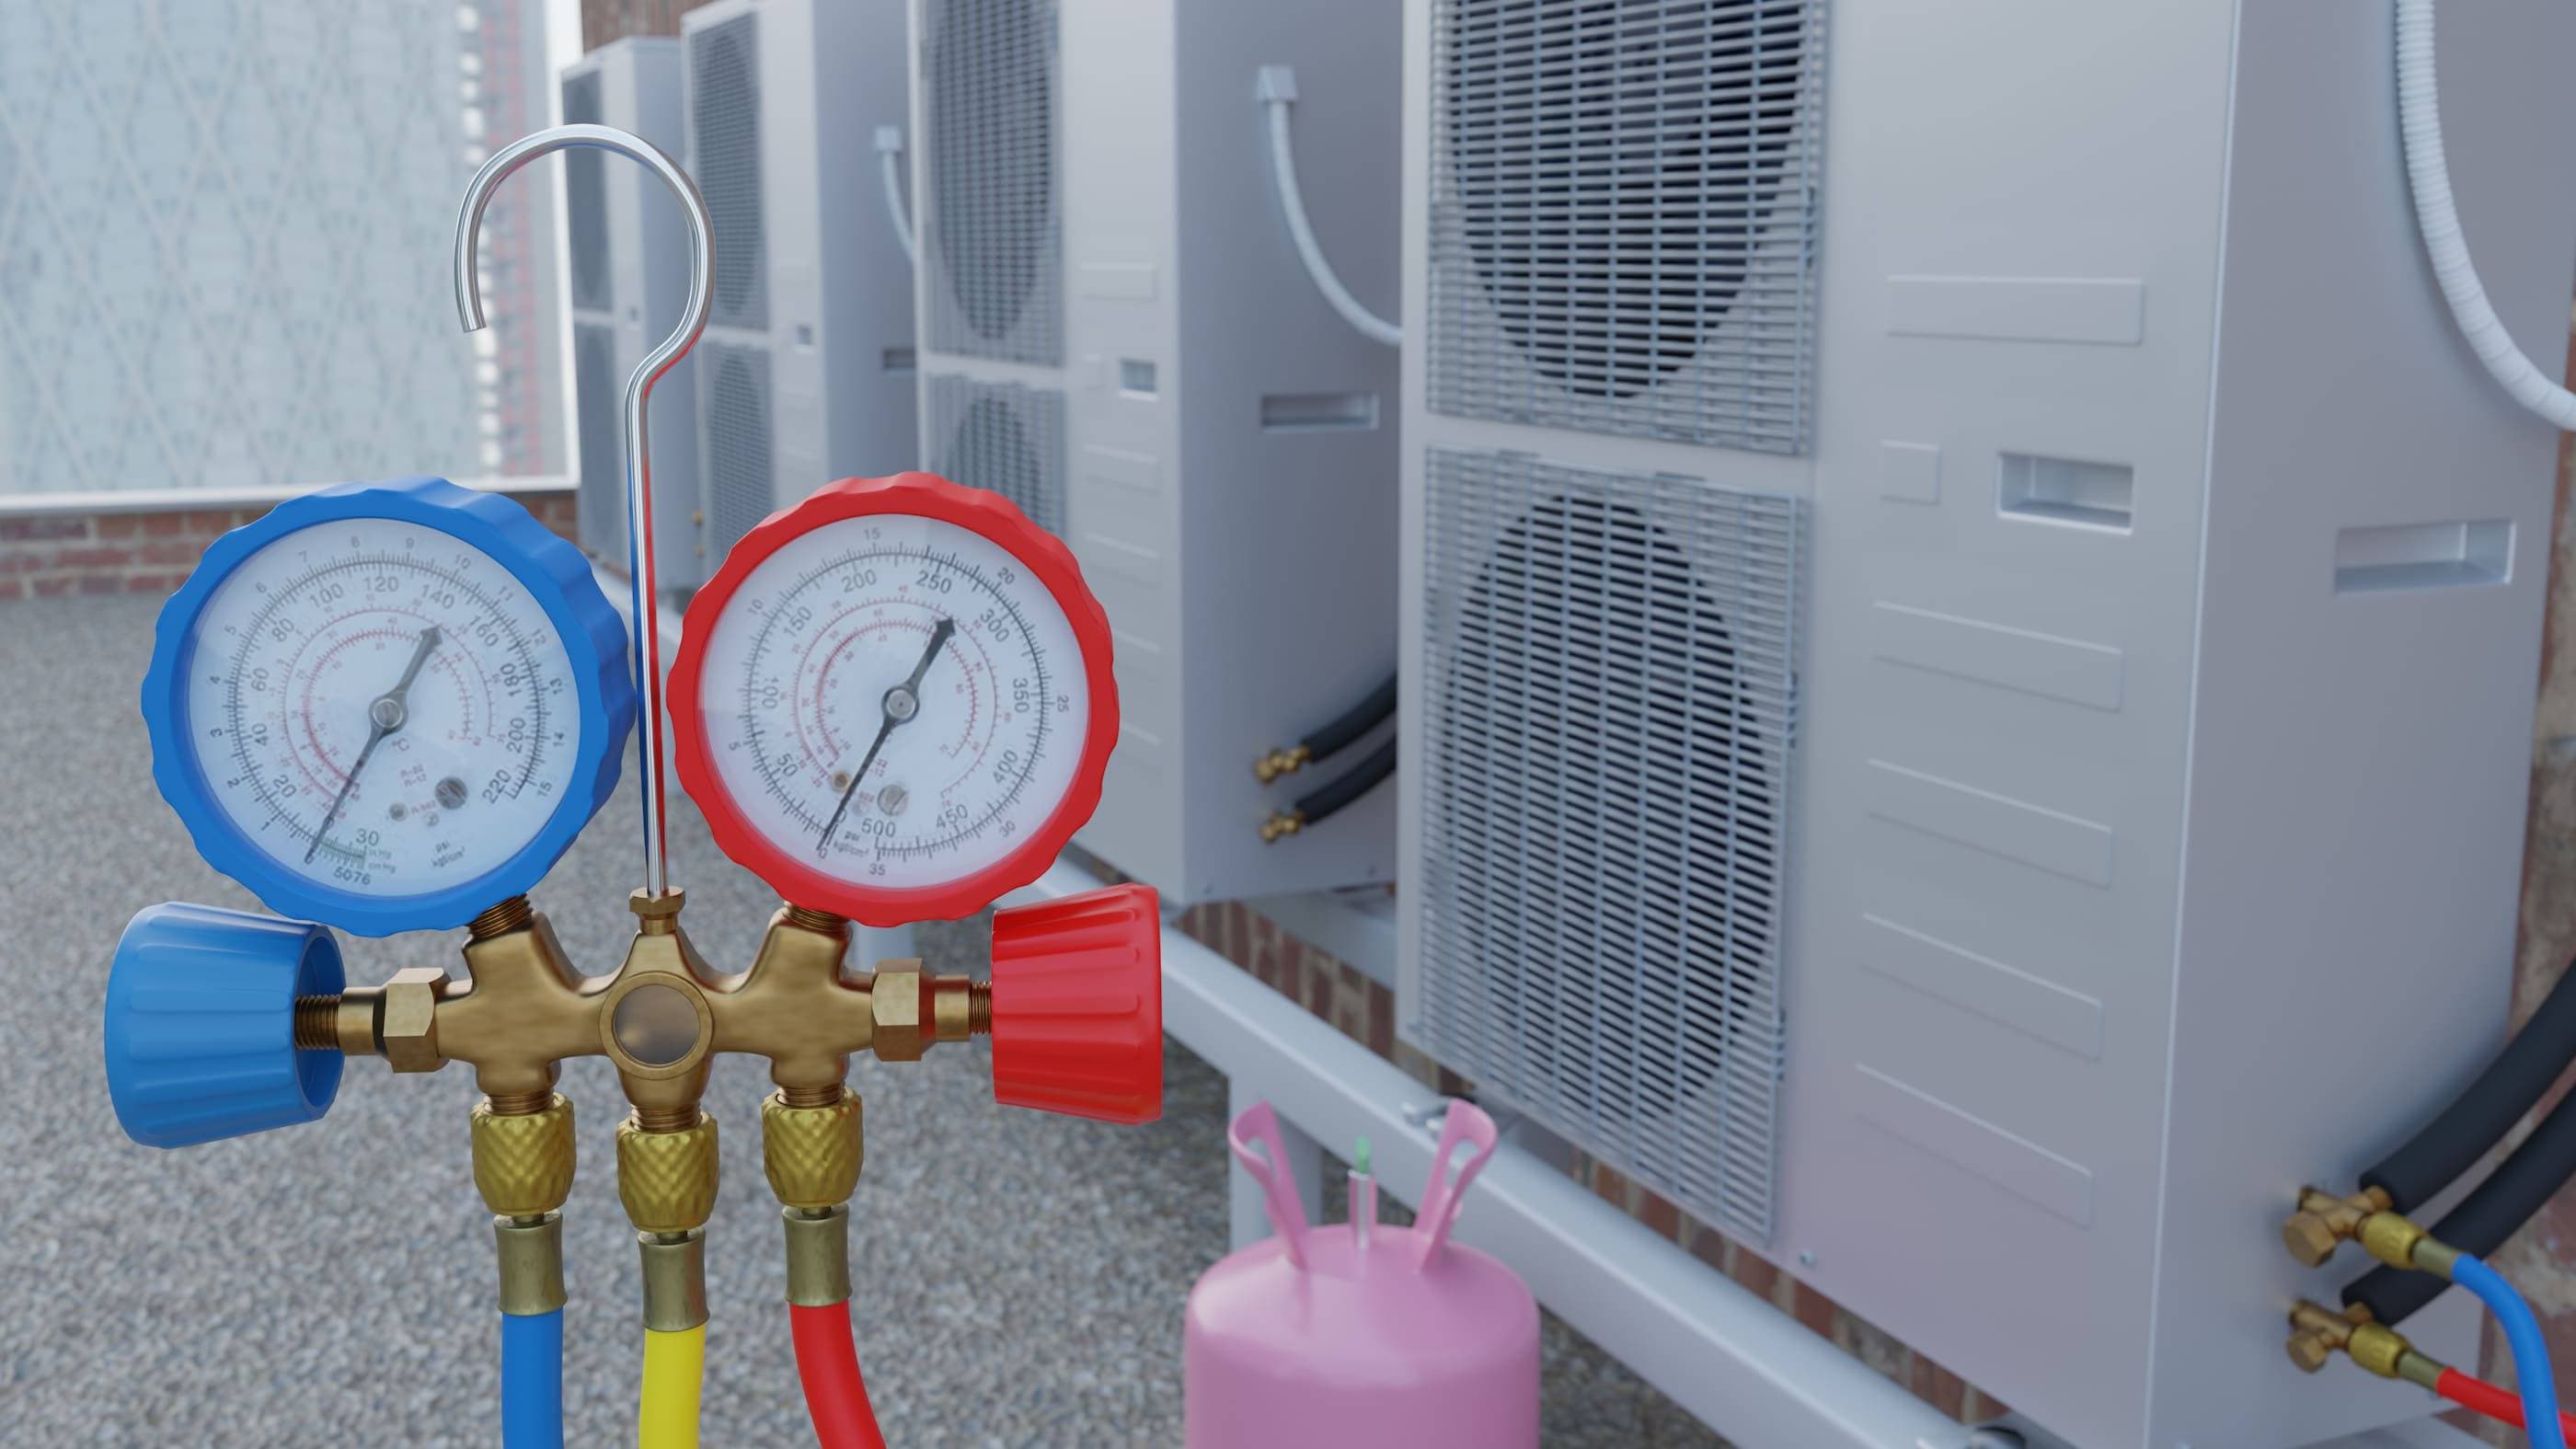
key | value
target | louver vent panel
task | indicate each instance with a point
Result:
(740, 480)
(724, 156)
(1623, 215)
(991, 231)
(1608, 702)
(586, 201)
(599, 401)
(1004, 437)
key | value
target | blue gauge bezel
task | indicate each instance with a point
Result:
(555, 575)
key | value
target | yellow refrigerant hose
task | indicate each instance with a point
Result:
(674, 1363)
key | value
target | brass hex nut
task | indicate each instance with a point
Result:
(812, 1154)
(900, 1002)
(523, 1162)
(407, 1019)
(667, 1179)
(2310, 1238)
(2310, 1351)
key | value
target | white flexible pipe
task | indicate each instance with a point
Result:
(2419, 119)
(890, 146)
(1278, 90)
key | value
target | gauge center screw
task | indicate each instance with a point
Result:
(386, 713)
(901, 704)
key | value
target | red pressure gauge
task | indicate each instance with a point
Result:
(893, 702)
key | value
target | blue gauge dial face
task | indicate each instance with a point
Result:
(381, 708)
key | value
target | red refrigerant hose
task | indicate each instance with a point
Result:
(2502, 1405)
(828, 1361)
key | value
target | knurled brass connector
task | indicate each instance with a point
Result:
(1281, 762)
(812, 1154)
(523, 1161)
(899, 1002)
(407, 1019)
(530, 1251)
(2323, 1221)
(2391, 1238)
(667, 1178)
(818, 1256)
(2377, 1347)
(1282, 823)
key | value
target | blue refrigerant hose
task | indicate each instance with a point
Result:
(532, 1380)
(2530, 1351)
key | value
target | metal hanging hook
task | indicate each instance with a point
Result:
(645, 633)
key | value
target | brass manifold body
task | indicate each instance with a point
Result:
(660, 1019)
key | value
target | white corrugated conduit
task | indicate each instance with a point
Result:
(2419, 118)
(890, 170)
(1276, 85)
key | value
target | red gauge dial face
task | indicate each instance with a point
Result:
(894, 700)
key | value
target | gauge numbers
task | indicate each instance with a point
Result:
(895, 700)
(381, 707)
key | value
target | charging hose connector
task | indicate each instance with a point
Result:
(530, 1252)
(2398, 1241)
(818, 1255)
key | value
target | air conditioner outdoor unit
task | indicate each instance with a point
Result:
(629, 247)
(805, 373)
(1969, 642)
(1115, 333)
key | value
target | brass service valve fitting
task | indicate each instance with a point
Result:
(2323, 1221)
(1282, 823)
(812, 1153)
(1281, 762)
(2318, 1333)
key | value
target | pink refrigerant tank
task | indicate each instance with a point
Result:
(1361, 1335)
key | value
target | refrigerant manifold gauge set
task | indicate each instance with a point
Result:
(392, 707)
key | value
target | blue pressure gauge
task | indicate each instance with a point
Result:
(388, 706)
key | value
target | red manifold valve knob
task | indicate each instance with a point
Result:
(1078, 1005)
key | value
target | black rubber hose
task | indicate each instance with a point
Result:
(1354, 722)
(1363, 777)
(2478, 1118)
(2491, 1213)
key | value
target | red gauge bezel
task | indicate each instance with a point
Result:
(926, 496)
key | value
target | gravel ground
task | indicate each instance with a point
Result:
(332, 1284)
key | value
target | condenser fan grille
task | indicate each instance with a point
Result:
(586, 200)
(991, 229)
(1607, 700)
(1623, 215)
(733, 389)
(599, 403)
(1004, 437)
(724, 121)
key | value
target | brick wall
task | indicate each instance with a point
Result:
(1364, 1011)
(49, 554)
(605, 20)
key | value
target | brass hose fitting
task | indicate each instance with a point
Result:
(2317, 1333)
(1281, 762)
(2323, 1221)
(523, 1155)
(2396, 1240)
(812, 1153)
(1282, 822)
(666, 1174)
(530, 1250)
(818, 1255)
(675, 1279)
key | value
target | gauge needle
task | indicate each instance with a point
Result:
(901, 703)
(385, 715)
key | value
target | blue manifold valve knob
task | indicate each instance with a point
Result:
(201, 1024)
